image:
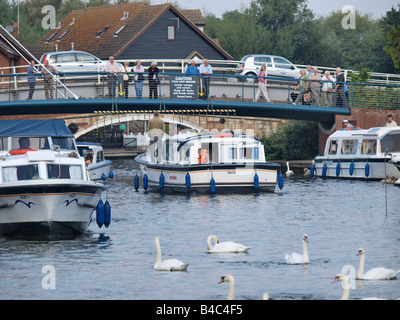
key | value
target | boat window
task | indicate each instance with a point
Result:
(56, 171)
(228, 153)
(368, 147)
(212, 151)
(333, 147)
(100, 156)
(18, 173)
(28, 143)
(3, 143)
(248, 153)
(184, 155)
(391, 143)
(64, 143)
(349, 146)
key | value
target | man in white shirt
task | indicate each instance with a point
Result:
(112, 70)
(205, 70)
(391, 122)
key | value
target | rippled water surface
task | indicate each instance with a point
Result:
(339, 217)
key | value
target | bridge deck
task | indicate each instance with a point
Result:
(239, 108)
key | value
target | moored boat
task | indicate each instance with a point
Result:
(209, 163)
(99, 168)
(361, 154)
(44, 186)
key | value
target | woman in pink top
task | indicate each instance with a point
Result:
(262, 85)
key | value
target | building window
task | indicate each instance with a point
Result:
(171, 33)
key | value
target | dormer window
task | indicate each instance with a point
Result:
(100, 33)
(50, 37)
(62, 35)
(118, 31)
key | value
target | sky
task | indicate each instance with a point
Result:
(377, 8)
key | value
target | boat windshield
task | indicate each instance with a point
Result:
(391, 142)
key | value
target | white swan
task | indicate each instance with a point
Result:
(378, 273)
(288, 172)
(296, 258)
(167, 265)
(346, 285)
(231, 280)
(224, 247)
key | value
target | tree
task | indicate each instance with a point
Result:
(390, 25)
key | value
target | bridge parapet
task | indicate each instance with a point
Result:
(226, 87)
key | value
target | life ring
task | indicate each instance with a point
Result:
(223, 135)
(20, 151)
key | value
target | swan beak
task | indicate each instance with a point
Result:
(335, 280)
(222, 280)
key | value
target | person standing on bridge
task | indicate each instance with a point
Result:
(155, 130)
(31, 79)
(339, 88)
(153, 80)
(262, 85)
(192, 69)
(139, 77)
(125, 70)
(206, 71)
(315, 85)
(302, 85)
(112, 70)
(48, 79)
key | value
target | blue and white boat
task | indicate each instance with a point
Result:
(100, 168)
(372, 154)
(44, 186)
(235, 164)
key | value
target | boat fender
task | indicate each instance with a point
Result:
(256, 183)
(161, 181)
(136, 182)
(212, 185)
(324, 170)
(351, 169)
(312, 170)
(145, 182)
(107, 214)
(100, 213)
(103, 177)
(111, 175)
(338, 169)
(20, 151)
(367, 169)
(280, 180)
(187, 181)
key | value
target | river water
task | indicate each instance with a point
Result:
(338, 216)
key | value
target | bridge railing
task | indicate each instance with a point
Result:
(14, 87)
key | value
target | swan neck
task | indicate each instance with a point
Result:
(346, 289)
(209, 245)
(305, 252)
(360, 271)
(231, 289)
(158, 260)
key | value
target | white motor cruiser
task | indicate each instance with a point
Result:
(44, 185)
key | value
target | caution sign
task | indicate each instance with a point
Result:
(120, 86)
(184, 87)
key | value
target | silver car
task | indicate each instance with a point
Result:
(276, 66)
(74, 61)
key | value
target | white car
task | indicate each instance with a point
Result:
(277, 66)
(73, 61)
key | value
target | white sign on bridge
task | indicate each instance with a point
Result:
(184, 87)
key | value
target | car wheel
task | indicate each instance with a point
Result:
(251, 80)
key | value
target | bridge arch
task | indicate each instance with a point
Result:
(108, 120)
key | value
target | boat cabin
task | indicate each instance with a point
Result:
(220, 148)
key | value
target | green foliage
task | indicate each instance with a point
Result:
(362, 76)
(298, 140)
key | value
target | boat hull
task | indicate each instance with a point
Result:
(229, 178)
(40, 209)
(97, 170)
(379, 168)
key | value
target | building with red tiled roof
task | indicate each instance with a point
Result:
(136, 31)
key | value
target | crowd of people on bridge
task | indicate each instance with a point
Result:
(311, 85)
